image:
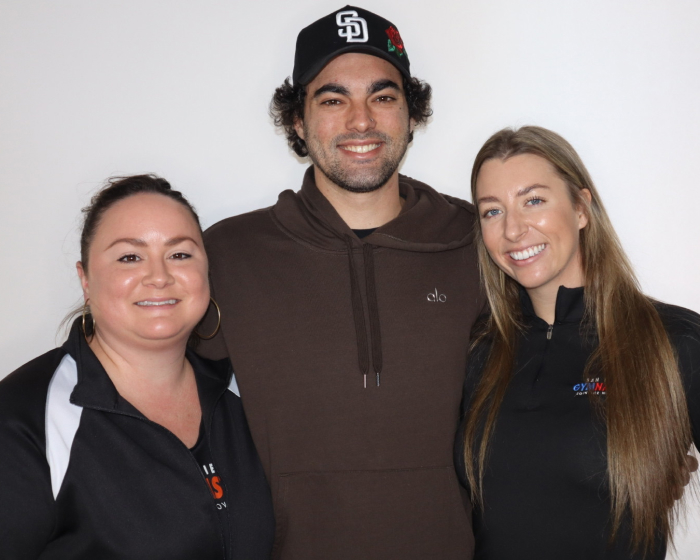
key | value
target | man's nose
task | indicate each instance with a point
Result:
(360, 118)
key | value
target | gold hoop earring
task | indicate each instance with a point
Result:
(218, 324)
(85, 313)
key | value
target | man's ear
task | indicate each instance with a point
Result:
(411, 125)
(299, 127)
(83, 280)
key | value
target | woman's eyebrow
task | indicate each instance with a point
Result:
(487, 199)
(521, 192)
(525, 190)
(176, 240)
(142, 243)
(129, 240)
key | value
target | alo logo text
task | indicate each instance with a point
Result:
(352, 27)
(437, 297)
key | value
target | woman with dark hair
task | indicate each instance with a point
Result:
(582, 394)
(123, 443)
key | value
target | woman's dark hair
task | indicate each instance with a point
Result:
(287, 106)
(119, 188)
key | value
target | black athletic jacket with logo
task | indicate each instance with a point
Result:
(545, 486)
(84, 475)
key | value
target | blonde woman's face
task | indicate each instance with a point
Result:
(529, 223)
(147, 280)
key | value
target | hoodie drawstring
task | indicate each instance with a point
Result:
(377, 357)
(359, 315)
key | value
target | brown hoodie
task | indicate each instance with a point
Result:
(358, 469)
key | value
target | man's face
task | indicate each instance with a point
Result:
(356, 125)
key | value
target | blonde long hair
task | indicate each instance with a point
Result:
(648, 432)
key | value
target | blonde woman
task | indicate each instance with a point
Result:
(582, 394)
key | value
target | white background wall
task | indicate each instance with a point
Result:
(92, 89)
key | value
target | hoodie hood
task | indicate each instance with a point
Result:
(446, 223)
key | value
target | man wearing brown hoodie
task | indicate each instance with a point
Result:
(346, 309)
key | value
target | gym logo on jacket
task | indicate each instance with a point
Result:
(214, 483)
(594, 386)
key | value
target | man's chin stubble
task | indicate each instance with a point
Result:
(361, 184)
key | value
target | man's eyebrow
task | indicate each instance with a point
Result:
(129, 240)
(525, 190)
(331, 88)
(379, 85)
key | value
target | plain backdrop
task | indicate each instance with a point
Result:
(92, 89)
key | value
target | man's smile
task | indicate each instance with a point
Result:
(361, 149)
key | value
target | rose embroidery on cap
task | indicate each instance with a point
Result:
(395, 43)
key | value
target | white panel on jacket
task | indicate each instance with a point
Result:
(62, 420)
(233, 386)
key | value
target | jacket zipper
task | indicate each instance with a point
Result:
(550, 328)
(227, 546)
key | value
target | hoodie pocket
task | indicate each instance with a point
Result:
(379, 514)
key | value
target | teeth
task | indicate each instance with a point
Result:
(527, 253)
(151, 303)
(361, 149)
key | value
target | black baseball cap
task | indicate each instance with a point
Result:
(349, 29)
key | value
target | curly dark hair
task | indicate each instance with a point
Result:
(287, 106)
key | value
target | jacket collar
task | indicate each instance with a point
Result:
(570, 306)
(96, 390)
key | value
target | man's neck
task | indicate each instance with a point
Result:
(362, 210)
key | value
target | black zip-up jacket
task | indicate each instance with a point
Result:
(84, 475)
(546, 493)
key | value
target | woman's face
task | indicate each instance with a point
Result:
(147, 277)
(529, 223)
